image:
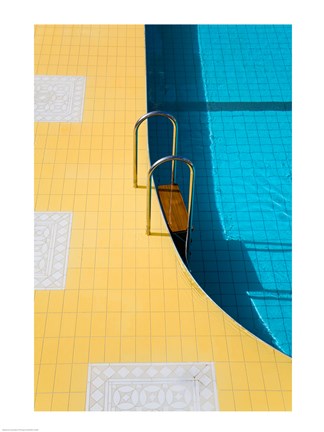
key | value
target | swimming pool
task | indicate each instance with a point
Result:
(229, 87)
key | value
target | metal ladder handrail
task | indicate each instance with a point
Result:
(190, 199)
(135, 141)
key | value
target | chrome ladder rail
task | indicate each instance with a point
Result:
(135, 142)
(159, 162)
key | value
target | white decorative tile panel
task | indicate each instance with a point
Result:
(51, 249)
(58, 98)
(151, 387)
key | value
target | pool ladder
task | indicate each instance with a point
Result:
(177, 216)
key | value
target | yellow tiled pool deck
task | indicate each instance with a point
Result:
(128, 297)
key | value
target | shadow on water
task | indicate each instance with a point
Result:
(174, 84)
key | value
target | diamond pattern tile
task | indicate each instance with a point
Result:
(51, 248)
(152, 387)
(59, 98)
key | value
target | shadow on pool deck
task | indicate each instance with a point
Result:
(174, 84)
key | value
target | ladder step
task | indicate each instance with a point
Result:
(174, 207)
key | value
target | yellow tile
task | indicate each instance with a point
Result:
(42, 203)
(128, 301)
(270, 376)
(85, 300)
(102, 258)
(114, 301)
(143, 303)
(43, 402)
(68, 324)
(75, 258)
(100, 282)
(202, 324)
(56, 301)
(232, 329)
(99, 301)
(223, 376)
(54, 203)
(113, 324)
(170, 278)
(65, 350)
(41, 301)
(287, 400)
(44, 187)
(81, 350)
(157, 300)
(92, 204)
(250, 349)
(53, 324)
(115, 279)
(88, 261)
(189, 348)
(158, 349)
(97, 350)
(38, 346)
(185, 300)
(46, 378)
(174, 353)
(79, 203)
(112, 349)
(49, 352)
(234, 347)
(127, 349)
(143, 349)
(60, 402)
(143, 324)
(275, 401)
(219, 344)
(71, 299)
(57, 186)
(266, 353)
(62, 378)
(187, 324)
(36, 373)
(77, 402)
(39, 324)
(79, 375)
(259, 401)
(254, 374)
(226, 400)
(204, 348)
(239, 376)
(172, 324)
(72, 278)
(171, 300)
(83, 324)
(242, 400)
(93, 186)
(69, 186)
(128, 323)
(142, 278)
(98, 324)
(284, 370)
(103, 221)
(89, 239)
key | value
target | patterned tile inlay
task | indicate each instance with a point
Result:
(152, 387)
(59, 98)
(51, 249)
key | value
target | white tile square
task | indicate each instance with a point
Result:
(152, 387)
(58, 98)
(52, 232)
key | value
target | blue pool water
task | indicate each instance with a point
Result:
(230, 89)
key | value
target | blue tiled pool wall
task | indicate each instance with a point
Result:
(233, 106)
